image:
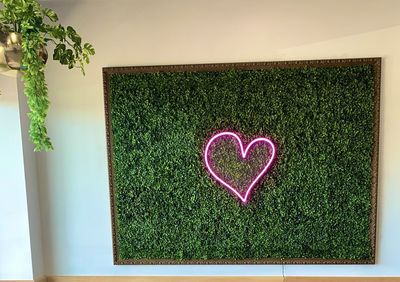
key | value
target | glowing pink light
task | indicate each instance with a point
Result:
(244, 154)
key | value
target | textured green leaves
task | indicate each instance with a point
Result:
(69, 50)
(50, 14)
(314, 203)
(36, 91)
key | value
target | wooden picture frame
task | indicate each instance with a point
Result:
(375, 62)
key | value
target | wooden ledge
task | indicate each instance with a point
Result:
(216, 279)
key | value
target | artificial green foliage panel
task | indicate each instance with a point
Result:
(314, 203)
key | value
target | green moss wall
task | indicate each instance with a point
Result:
(315, 202)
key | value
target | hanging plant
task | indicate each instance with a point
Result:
(26, 28)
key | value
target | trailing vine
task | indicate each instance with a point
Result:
(38, 26)
(36, 91)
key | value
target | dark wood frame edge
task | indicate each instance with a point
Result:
(374, 61)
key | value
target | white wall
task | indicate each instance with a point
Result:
(73, 179)
(15, 249)
(31, 186)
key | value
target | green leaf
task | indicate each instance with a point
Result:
(50, 14)
(89, 48)
(70, 30)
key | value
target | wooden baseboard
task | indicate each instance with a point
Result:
(206, 279)
(341, 279)
(216, 279)
(164, 279)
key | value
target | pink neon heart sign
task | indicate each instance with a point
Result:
(244, 153)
